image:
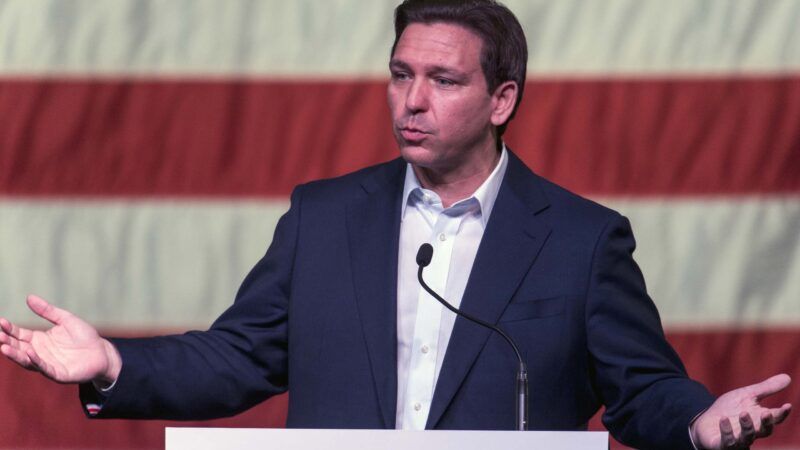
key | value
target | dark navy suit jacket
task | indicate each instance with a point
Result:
(317, 315)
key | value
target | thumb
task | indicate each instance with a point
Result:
(46, 311)
(770, 386)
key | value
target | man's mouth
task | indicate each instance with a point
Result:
(413, 134)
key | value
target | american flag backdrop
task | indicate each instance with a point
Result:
(148, 147)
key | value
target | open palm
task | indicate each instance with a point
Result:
(737, 419)
(70, 352)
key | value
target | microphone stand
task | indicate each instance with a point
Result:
(424, 256)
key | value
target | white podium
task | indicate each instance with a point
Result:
(294, 439)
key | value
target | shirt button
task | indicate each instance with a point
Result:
(417, 406)
(442, 237)
(424, 349)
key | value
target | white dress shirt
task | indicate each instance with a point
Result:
(424, 326)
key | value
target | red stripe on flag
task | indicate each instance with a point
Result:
(46, 415)
(260, 138)
(40, 414)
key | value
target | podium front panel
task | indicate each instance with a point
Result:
(301, 439)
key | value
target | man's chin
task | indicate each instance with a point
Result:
(417, 155)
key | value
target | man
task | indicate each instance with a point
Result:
(334, 311)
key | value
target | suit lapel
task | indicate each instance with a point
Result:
(373, 224)
(510, 244)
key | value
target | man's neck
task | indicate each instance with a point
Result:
(458, 183)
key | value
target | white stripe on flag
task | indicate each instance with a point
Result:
(131, 263)
(178, 264)
(716, 262)
(321, 38)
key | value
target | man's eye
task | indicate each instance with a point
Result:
(400, 76)
(444, 82)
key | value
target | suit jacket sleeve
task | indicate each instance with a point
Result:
(649, 399)
(240, 361)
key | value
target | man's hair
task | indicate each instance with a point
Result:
(504, 55)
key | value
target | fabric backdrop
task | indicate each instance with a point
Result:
(147, 149)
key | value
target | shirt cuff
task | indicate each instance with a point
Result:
(691, 422)
(104, 390)
(94, 396)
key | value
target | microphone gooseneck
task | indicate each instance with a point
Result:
(424, 256)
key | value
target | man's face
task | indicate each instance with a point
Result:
(441, 109)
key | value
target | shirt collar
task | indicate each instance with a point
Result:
(486, 194)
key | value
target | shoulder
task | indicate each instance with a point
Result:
(567, 204)
(559, 205)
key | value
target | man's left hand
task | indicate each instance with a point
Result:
(737, 419)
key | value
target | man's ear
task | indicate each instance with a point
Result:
(503, 100)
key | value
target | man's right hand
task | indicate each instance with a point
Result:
(69, 352)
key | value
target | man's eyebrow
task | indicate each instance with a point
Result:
(397, 64)
(442, 70)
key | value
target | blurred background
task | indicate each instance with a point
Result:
(148, 147)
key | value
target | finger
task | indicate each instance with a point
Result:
(46, 311)
(726, 433)
(36, 362)
(5, 325)
(16, 355)
(5, 331)
(39, 364)
(769, 386)
(780, 414)
(766, 424)
(748, 434)
(8, 340)
(12, 341)
(15, 331)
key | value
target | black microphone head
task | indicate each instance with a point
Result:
(424, 254)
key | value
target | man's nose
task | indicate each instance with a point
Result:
(417, 95)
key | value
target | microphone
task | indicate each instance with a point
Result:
(424, 256)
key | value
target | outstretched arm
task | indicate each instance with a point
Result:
(71, 351)
(737, 418)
